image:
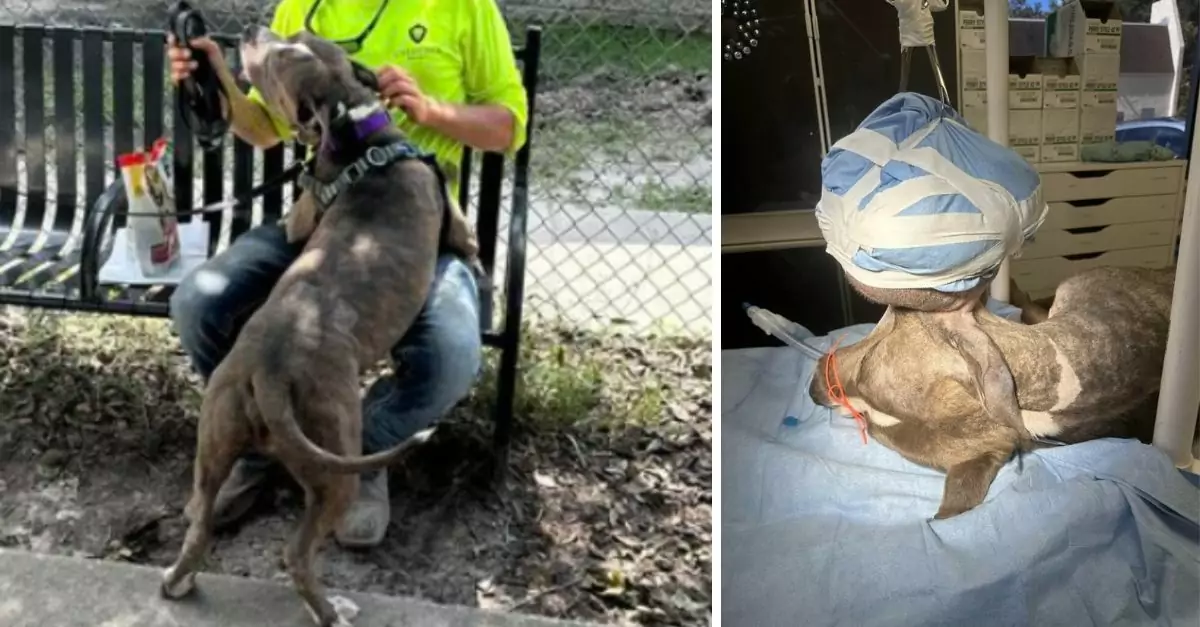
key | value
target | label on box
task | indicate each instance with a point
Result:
(972, 39)
(1103, 35)
(1060, 126)
(1097, 124)
(1084, 26)
(1024, 98)
(1098, 99)
(970, 17)
(1061, 99)
(974, 70)
(1025, 127)
(1032, 154)
(1059, 153)
(974, 99)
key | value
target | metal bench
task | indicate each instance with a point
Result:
(53, 239)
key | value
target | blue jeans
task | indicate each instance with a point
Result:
(436, 362)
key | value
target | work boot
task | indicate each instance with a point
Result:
(366, 522)
(239, 493)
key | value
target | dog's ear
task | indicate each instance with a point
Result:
(990, 375)
(365, 75)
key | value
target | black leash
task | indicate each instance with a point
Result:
(199, 106)
(200, 94)
(277, 181)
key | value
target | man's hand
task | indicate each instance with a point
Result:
(402, 92)
(182, 64)
(482, 126)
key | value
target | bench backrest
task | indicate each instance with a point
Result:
(83, 60)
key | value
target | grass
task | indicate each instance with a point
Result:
(566, 146)
(91, 367)
(565, 150)
(572, 50)
(606, 516)
(656, 196)
(569, 379)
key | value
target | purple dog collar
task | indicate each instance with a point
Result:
(377, 121)
(366, 123)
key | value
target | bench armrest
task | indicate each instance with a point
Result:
(98, 226)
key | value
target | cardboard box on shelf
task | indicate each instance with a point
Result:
(976, 117)
(1060, 126)
(1024, 127)
(1100, 74)
(1080, 27)
(1061, 83)
(1024, 83)
(970, 25)
(1060, 135)
(974, 70)
(1097, 124)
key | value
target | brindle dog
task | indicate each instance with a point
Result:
(290, 386)
(1090, 370)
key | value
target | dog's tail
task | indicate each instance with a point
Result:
(278, 411)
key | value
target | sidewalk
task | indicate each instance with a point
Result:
(38, 590)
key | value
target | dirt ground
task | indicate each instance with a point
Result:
(607, 514)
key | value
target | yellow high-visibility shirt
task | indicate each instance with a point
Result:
(457, 51)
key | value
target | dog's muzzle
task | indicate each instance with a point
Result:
(257, 35)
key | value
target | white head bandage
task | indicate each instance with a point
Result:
(916, 199)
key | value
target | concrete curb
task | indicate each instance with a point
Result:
(38, 590)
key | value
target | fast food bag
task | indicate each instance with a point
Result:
(153, 230)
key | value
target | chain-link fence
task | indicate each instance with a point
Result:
(620, 209)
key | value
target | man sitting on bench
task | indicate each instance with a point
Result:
(449, 66)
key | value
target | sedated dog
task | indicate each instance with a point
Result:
(1089, 369)
(290, 386)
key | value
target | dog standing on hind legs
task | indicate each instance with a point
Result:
(290, 386)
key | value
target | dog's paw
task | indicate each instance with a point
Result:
(346, 610)
(177, 588)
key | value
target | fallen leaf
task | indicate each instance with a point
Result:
(544, 480)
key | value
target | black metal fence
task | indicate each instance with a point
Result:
(620, 217)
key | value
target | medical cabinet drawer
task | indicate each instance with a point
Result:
(1038, 275)
(1051, 242)
(1092, 183)
(1103, 212)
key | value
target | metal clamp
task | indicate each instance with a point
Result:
(906, 55)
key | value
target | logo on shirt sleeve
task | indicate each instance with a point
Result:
(417, 33)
